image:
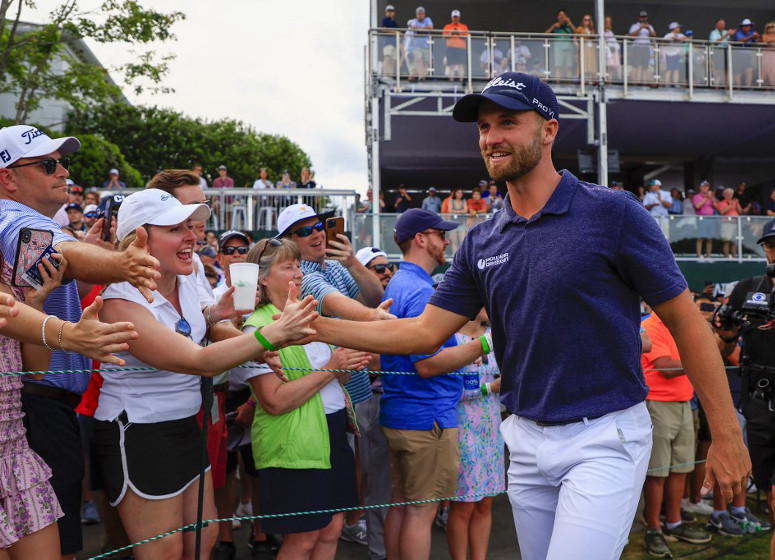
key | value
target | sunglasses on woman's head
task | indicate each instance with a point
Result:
(49, 165)
(230, 250)
(182, 327)
(270, 242)
(307, 230)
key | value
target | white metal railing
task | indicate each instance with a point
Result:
(402, 56)
(681, 231)
(257, 209)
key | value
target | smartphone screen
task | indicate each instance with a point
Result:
(334, 226)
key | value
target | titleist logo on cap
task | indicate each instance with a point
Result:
(31, 134)
(500, 82)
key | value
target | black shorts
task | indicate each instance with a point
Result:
(296, 490)
(86, 424)
(760, 428)
(53, 433)
(157, 461)
(703, 433)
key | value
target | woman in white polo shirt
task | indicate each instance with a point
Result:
(148, 440)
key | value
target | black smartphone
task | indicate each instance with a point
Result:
(32, 246)
(334, 226)
(108, 215)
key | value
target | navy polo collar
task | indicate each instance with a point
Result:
(558, 203)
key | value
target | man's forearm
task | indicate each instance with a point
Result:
(450, 359)
(92, 264)
(398, 336)
(337, 305)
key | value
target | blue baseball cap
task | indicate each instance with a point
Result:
(117, 200)
(416, 220)
(511, 90)
(768, 232)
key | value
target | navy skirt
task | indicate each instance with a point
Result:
(300, 490)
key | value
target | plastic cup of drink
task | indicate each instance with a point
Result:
(244, 278)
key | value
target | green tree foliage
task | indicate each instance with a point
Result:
(35, 65)
(90, 165)
(152, 138)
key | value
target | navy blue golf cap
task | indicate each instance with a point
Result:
(768, 232)
(416, 220)
(511, 90)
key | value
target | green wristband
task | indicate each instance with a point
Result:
(485, 346)
(263, 341)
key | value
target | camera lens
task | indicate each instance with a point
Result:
(26, 236)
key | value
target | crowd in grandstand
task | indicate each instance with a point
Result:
(413, 50)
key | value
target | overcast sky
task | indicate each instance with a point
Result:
(290, 67)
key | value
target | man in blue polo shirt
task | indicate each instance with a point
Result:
(418, 412)
(560, 270)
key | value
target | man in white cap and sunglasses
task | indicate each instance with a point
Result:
(561, 282)
(33, 187)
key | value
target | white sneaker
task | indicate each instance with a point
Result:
(700, 508)
(244, 510)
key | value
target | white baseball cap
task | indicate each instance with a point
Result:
(455, 13)
(294, 213)
(113, 171)
(390, 8)
(673, 25)
(368, 254)
(24, 141)
(155, 207)
(91, 208)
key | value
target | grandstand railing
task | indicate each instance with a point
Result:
(681, 232)
(257, 209)
(702, 64)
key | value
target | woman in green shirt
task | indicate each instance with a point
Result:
(298, 434)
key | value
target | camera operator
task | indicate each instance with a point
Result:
(749, 314)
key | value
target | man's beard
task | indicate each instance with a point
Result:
(523, 161)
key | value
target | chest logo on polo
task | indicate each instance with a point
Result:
(492, 261)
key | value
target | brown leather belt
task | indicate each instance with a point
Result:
(69, 398)
(221, 387)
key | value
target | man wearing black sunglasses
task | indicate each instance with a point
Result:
(375, 260)
(233, 247)
(33, 187)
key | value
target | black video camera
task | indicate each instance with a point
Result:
(757, 310)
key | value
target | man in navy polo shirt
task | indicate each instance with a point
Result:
(560, 271)
(418, 412)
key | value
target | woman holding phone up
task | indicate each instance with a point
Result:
(147, 436)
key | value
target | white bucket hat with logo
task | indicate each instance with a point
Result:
(155, 207)
(24, 141)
